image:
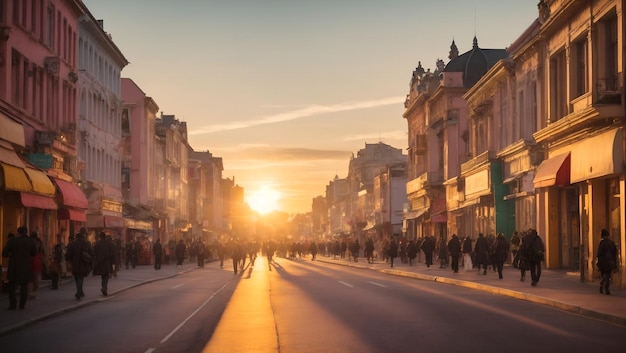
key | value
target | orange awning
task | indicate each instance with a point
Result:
(14, 178)
(40, 181)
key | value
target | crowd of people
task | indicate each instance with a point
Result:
(28, 260)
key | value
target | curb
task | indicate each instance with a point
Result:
(82, 304)
(575, 309)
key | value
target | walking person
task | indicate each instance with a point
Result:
(520, 261)
(411, 251)
(104, 254)
(516, 240)
(428, 247)
(467, 254)
(19, 250)
(36, 265)
(56, 260)
(534, 251)
(454, 248)
(501, 253)
(607, 260)
(80, 256)
(481, 250)
(392, 250)
(157, 250)
(180, 254)
(443, 252)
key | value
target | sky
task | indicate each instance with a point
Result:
(286, 91)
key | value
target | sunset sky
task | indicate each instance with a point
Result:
(285, 91)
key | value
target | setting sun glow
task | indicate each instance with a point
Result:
(264, 200)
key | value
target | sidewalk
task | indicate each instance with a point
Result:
(51, 303)
(556, 288)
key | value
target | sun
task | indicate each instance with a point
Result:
(264, 200)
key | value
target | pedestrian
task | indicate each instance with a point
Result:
(481, 248)
(443, 252)
(454, 248)
(520, 261)
(19, 250)
(313, 250)
(607, 260)
(117, 265)
(392, 250)
(221, 252)
(104, 255)
(368, 249)
(411, 251)
(80, 256)
(180, 254)
(129, 254)
(515, 244)
(467, 254)
(534, 251)
(157, 250)
(237, 254)
(200, 253)
(428, 247)
(501, 253)
(36, 265)
(355, 248)
(56, 260)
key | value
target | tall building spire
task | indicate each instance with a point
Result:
(454, 51)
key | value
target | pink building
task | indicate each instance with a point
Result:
(38, 103)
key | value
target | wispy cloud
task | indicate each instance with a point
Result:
(381, 136)
(304, 112)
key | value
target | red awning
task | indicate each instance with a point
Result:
(72, 195)
(553, 171)
(38, 201)
(113, 222)
(72, 214)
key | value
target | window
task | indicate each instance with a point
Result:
(50, 27)
(579, 69)
(558, 92)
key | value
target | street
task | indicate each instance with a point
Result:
(311, 306)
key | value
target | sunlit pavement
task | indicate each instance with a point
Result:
(249, 310)
(556, 288)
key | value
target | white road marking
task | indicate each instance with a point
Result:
(182, 284)
(378, 284)
(190, 316)
(346, 284)
(150, 350)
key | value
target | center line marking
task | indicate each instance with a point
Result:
(346, 284)
(182, 284)
(378, 284)
(192, 315)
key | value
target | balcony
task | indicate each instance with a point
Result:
(424, 181)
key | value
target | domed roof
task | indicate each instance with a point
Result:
(475, 63)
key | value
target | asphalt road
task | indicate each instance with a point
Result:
(305, 306)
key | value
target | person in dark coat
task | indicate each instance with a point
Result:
(411, 251)
(607, 260)
(78, 253)
(534, 251)
(392, 250)
(180, 254)
(428, 246)
(481, 249)
(157, 250)
(19, 250)
(501, 253)
(520, 261)
(104, 253)
(313, 250)
(454, 248)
